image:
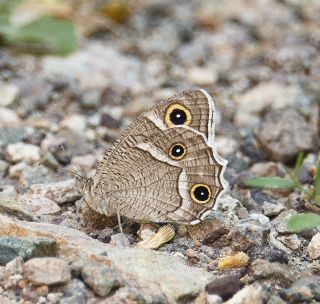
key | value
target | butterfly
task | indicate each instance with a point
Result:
(164, 167)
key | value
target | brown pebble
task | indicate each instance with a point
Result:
(42, 290)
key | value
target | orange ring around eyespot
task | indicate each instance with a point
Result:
(195, 199)
(178, 106)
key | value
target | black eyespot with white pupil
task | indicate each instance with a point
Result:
(177, 150)
(201, 193)
(178, 117)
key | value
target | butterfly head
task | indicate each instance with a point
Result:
(92, 195)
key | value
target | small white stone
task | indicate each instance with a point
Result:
(60, 192)
(226, 145)
(202, 76)
(291, 241)
(76, 123)
(264, 95)
(8, 94)
(271, 209)
(85, 162)
(16, 170)
(23, 152)
(8, 118)
(314, 247)
(38, 204)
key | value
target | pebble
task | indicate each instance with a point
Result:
(224, 286)
(101, 278)
(202, 76)
(37, 204)
(120, 239)
(303, 290)
(8, 94)
(61, 192)
(271, 209)
(291, 241)
(265, 169)
(47, 270)
(147, 230)
(208, 230)
(76, 123)
(268, 253)
(250, 232)
(260, 97)
(284, 133)
(25, 247)
(9, 118)
(4, 166)
(280, 273)
(16, 170)
(314, 247)
(20, 151)
(85, 162)
(275, 300)
(251, 294)
(280, 221)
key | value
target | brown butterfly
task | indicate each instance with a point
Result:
(164, 167)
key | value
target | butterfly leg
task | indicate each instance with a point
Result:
(119, 221)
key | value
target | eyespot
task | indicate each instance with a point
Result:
(200, 193)
(177, 114)
(177, 151)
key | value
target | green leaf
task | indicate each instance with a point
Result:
(303, 221)
(44, 34)
(316, 181)
(298, 163)
(269, 182)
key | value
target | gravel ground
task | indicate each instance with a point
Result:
(260, 60)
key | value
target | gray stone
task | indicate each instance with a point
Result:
(271, 209)
(283, 133)
(280, 273)
(314, 247)
(4, 166)
(49, 271)
(150, 271)
(12, 207)
(34, 175)
(120, 239)
(249, 232)
(11, 135)
(101, 278)
(25, 247)
(61, 192)
(76, 291)
(262, 96)
(280, 221)
(291, 241)
(131, 295)
(37, 204)
(303, 290)
(275, 300)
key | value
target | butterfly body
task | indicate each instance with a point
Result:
(164, 167)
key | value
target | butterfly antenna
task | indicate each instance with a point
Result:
(72, 162)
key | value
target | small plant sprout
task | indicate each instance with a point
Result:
(311, 193)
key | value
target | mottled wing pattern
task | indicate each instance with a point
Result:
(140, 179)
